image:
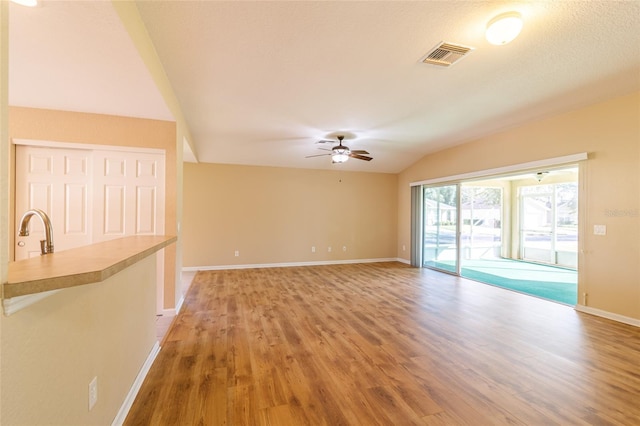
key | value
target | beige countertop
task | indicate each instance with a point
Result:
(79, 266)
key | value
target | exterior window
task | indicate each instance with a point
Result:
(549, 223)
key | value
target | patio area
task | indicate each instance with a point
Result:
(544, 281)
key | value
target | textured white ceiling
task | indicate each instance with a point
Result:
(260, 82)
(77, 56)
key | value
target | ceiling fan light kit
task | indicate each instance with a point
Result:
(342, 153)
(340, 156)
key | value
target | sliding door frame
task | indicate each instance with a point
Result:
(457, 232)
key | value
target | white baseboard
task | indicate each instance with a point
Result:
(179, 305)
(171, 312)
(289, 264)
(175, 311)
(608, 315)
(137, 383)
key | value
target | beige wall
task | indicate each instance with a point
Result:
(610, 189)
(52, 350)
(275, 215)
(98, 129)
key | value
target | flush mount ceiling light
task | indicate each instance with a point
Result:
(28, 3)
(504, 28)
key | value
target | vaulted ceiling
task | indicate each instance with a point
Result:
(260, 82)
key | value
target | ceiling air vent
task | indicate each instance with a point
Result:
(446, 54)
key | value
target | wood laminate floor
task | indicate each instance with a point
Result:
(384, 344)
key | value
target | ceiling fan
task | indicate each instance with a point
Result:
(341, 153)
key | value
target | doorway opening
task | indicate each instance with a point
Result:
(91, 193)
(519, 232)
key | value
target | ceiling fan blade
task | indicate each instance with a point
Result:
(360, 157)
(319, 155)
(325, 149)
(325, 141)
(358, 151)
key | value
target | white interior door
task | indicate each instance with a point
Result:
(57, 181)
(129, 194)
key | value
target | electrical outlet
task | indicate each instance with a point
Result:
(93, 392)
(313, 249)
(237, 253)
(599, 229)
(404, 248)
(344, 248)
(329, 249)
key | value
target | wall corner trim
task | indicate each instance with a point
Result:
(135, 387)
(608, 315)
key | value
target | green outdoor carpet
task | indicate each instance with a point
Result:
(545, 281)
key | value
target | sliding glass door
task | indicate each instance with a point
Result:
(440, 215)
(483, 229)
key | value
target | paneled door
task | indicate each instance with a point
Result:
(59, 182)
(129, 194)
